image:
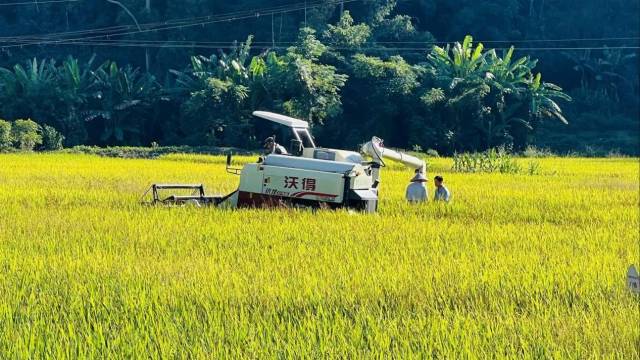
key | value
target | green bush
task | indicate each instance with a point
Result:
(5, 134)
(51, 138)
(535, 152)
(25, 134)
(494, 160)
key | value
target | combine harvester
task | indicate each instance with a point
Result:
(308, 176)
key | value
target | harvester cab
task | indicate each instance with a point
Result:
(308, 176)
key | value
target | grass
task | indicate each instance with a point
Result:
(516, 266)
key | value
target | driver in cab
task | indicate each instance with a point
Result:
(272, 147)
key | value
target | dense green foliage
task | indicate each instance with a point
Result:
(5, 134)
(24, 134)
(354, 70)
(28, 135)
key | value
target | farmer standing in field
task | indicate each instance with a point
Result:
(417, 191)
(442, 193)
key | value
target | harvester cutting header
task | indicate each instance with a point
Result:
(302, 175)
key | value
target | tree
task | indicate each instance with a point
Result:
(54, 94)
(29, 91)
(75, 82)
(5, 134)
(480, 92)
(51, 138)
(121, 99)
(298, 84)
(25, 134)
(216, 91)
(381, 93)
(346, 35)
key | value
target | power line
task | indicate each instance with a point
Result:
(116, 28)
(293, 42)
(168, 42)
(45, 41)
(210, 45)
(44, 2)
(518, 41)
(172, 24)
(104, 34)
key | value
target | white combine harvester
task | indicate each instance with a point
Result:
(308, 176)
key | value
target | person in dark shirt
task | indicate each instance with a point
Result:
(272, 147)
(442, 193)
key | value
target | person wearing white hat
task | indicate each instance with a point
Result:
(417, 191)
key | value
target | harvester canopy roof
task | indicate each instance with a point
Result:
(282, 119)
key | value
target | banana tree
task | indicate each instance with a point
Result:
(213, 92)
(457, 63)
(542, 97)
(121, 99)
(233, 66)
(74, 80)
(22, 87)
(488, 95)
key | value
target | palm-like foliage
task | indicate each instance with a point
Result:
(68, 94)
(21, 87)
(458, 62)
(508, 75)
(233, 66)
(27, 81)
(542, 99)
(119, 97)
(489, 94)
(213, 91)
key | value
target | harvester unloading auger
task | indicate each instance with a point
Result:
(308, 176)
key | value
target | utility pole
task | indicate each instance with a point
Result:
(147, 7)
(341, 8)
(116, 2)
(273, 33)
(280, 31)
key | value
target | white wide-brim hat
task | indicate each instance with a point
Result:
(419, 177)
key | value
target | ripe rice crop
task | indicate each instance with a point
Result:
(518, 265)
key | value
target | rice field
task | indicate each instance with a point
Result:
(517, 266)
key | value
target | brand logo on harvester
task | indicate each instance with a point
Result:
(275, 192)
(292, 182)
